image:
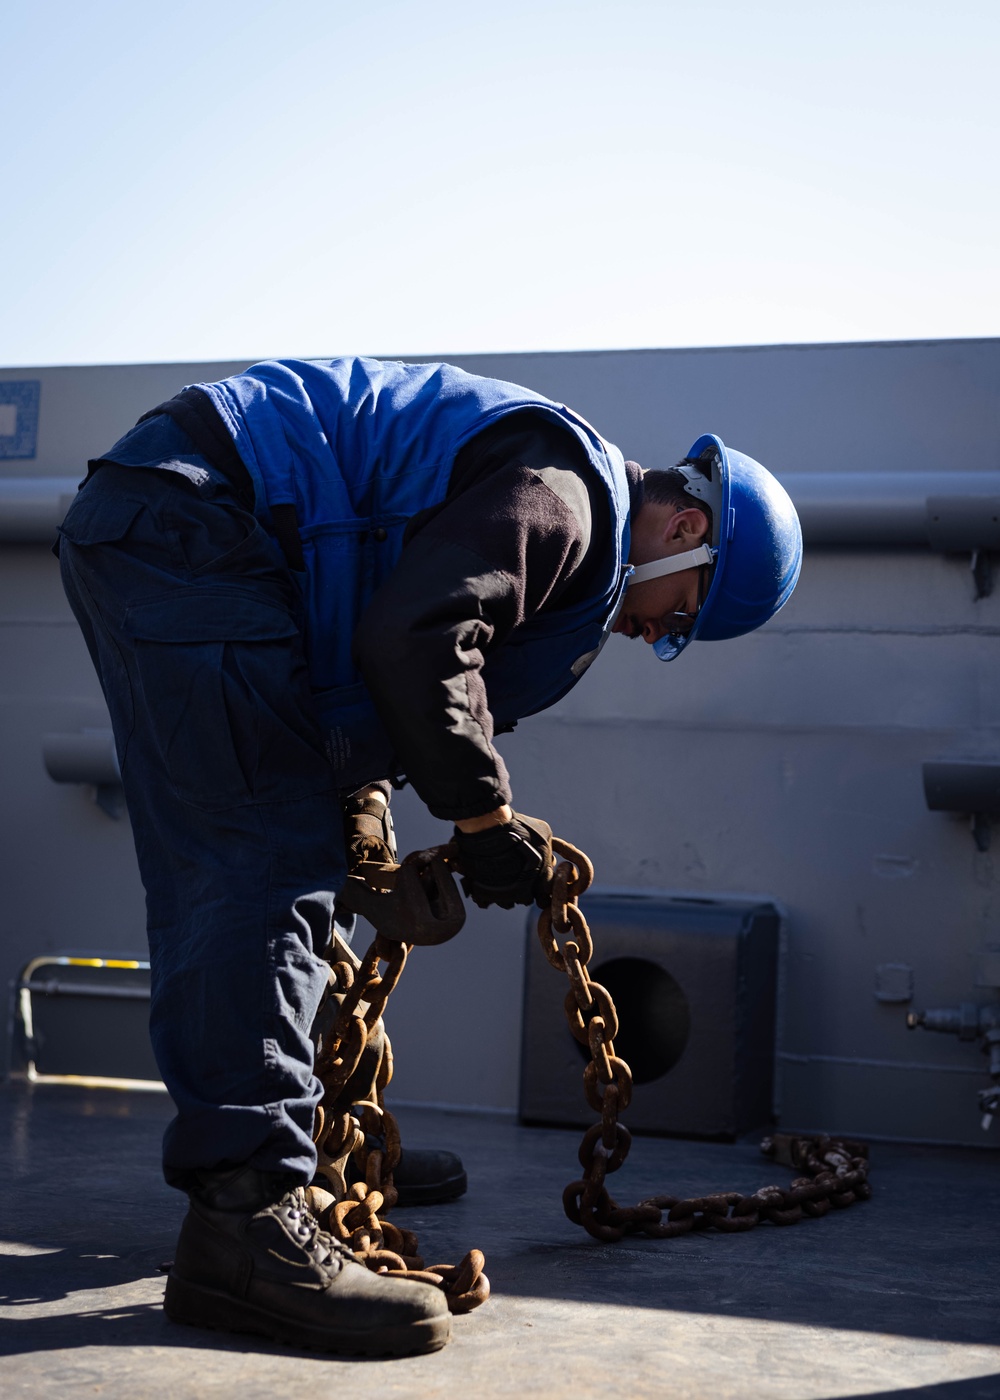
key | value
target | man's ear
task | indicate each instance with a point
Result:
(689, 525)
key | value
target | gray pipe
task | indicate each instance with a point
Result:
(32, 507)
(944, 511)
(86, 756)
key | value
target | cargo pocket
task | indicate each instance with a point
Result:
(93, 580)
(222, 685)
(99, 518)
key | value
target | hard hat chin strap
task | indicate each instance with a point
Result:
(675, 564)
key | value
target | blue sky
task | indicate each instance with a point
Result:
(217, 180)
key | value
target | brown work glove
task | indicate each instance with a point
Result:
(507, 864)
(368, 832)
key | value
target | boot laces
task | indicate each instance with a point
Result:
(308, 1232)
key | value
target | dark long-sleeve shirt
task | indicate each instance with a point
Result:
(522, 528)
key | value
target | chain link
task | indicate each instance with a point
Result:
(836, 1170)
(353, 1121)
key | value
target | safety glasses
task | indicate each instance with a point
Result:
(680, 625)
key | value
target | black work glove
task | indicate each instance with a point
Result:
(368, 833)
(507, 864)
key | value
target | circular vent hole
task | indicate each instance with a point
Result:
(653, 1014)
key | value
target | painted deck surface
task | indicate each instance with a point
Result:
(895, 1297)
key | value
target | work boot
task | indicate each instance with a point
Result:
(424, 1177)
(252, 1258)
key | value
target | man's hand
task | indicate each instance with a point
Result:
(506, 862)
(368, 833)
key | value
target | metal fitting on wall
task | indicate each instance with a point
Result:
(968, 787)
(87, 756)
(972, 1022)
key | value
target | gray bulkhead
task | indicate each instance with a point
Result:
(785, 765)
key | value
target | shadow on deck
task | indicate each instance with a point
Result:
(896, 1296)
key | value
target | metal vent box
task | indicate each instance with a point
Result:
(695, 984)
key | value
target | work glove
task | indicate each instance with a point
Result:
(507, 864)
(368, 831)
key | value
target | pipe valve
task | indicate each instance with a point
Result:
(970, 1022)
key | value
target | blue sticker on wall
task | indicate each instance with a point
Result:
(19, 417)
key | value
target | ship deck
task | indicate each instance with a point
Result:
(898, 1296)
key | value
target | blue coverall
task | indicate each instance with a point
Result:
(196, 626)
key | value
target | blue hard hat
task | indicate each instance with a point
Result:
(756, 539)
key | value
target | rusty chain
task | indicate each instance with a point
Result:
(354, 1064)
(836, 1170)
